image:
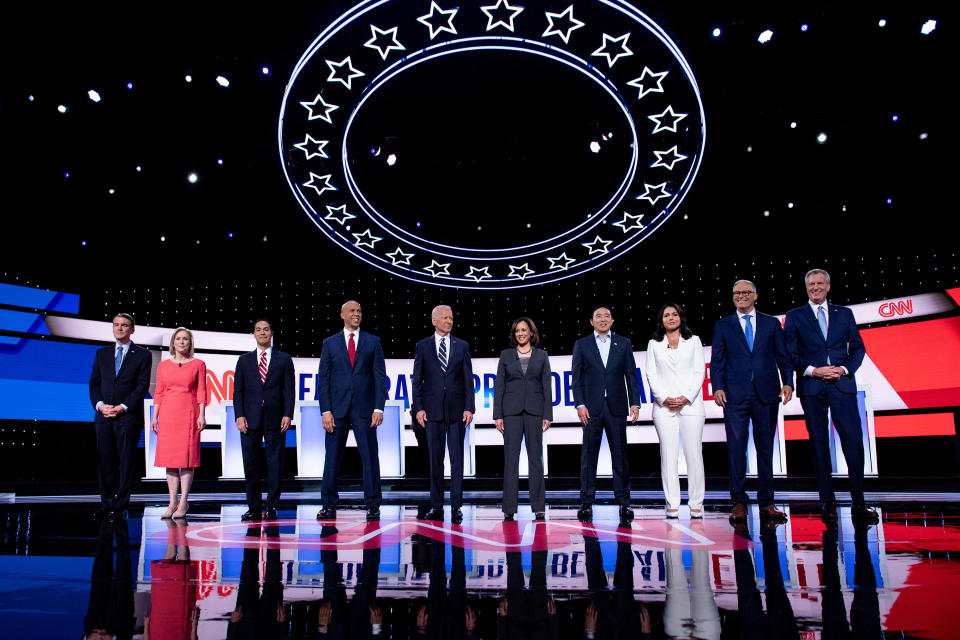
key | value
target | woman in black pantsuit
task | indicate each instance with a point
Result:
(522, 410)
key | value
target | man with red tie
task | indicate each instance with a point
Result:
(351, 390)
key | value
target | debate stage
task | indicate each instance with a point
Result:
(299, 578)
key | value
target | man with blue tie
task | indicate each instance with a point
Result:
(118, 383)
(826, 349)
(605, 385)
(352, 390)
(263, 402)
(443, 404)
(750, 372)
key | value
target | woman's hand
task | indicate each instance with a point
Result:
(155, 423)
(499, 423)
(201, 420)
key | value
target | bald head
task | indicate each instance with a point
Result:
(350, 312)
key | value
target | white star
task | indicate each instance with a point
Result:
(327, 108)
(479, 274)
(613, 57)
(660, 191)
(561, 262)
(564, 35)
(399, 257)
(598, 245)
(366, 239)
(449, 14)
(667, 114)
(326, 183)
(338, 214)
(393, 45)
(672, 158)
(336, 67)
(308, 141)
(501, 4)
(629, 222)
(436, 269)
(521, 272)
(644, 85)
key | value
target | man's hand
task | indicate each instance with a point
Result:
(324, 613)
(828, 373)
(551, 608)
(118, 408)
(376, 615)
(502, 607)
(422, 618)
(498, 423)
(546, 425)
(421, 418)
(786, 393)
(634, 414)
(590, 618)
(242, 424)
(376, 419)
(108, 410)
(470, 619)
(645, 626)
(285, 423)
(720, 397)
(583, 414)
(467, 417)
(328, 421)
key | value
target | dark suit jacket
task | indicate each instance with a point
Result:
(364, 385)
(807, 347)
(444, 396)
(618, 379)
(735, 369)
(516, 393)
(127, 387)
(274, 397)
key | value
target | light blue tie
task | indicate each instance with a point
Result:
(748, 332)
(118, 361)
(822, 321)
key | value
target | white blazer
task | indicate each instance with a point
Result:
(667, 379)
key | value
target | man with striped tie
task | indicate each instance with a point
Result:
(263, 401)
(443, 403)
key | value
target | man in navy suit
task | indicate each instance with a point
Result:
(263, 401)
(827, 350)
(750, 372)
(352, 390)
(604, 386)
(118, 383)
(443, 404)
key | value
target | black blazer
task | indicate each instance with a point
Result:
(618, 380)
(515, 393)
(128, 387)
(274, 397)
(444, 396)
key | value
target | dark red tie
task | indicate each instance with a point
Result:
(351, 349)
(263, 368)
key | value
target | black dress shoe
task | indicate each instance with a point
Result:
(251, 516)
(436, 513)
(626, 514)
(373, 514)
(862, 514)
(456, 516)
(828, 510)
(508, 517)
(585, 513)
(327, 513)
(540, 515)
(271, 514)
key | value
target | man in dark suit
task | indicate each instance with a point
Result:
(352, 390)
(443, 403)
(263, 401)
(118, 384)
(750, 372)
(826, 350)
(604, 386)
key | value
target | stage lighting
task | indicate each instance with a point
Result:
(163, 238)
(230, 235)
(66, 174)
(62, 108)
(129, 85)
(188, 78)
(391, 159)
(83, 243)
(766, 214)
(895, 117)
(220, 161)
(716, 32)
(750, 149)
(30, 97)
(265, 70)
(111, 191)
(192, 178)
(889, 200)
(883, 22)
(595, 146)
(821, 137)
(804, 27)
(223, 82)
(928, 27)
(789, 205)
(93, 95)
(765, 36)
(139, 168)
(793, 125)
(924, 136)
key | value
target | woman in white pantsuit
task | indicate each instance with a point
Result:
(675, 373)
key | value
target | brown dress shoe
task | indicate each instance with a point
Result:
(739, 513)
(770, 512)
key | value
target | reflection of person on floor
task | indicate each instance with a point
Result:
(360, 617)
(527, 613)
(331, 620)
(259, 615)
(609, 614)
(689, 610)
(779, 621)
(865, 610)
(173, 590)
(446, 614)
(365, 618)
(110, 611)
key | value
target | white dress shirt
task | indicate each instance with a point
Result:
(808, 372)
(603, 344)
(356, 345)
(126, 349)
(260, 352)
(437, 338)
(753, 322)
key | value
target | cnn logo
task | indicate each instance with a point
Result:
(897, 308)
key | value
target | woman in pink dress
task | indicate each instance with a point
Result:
(178, 418)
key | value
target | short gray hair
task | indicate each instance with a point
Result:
(748, 282)
(814, 272)
(436, 310)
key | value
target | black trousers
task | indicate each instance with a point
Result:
(846, 420)
(116, 461)
(736, 418)
(260, 462)
(450, 434)
(529, 429)
(616, 428)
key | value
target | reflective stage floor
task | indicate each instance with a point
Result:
(63, 575)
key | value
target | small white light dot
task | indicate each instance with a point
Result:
(391, 159)
(112, 191)
(139, 168)
(528, 225)
(821, 137)
(793, 125)
(924, 136)
(894, 117)
(220, 161)
(30, 97)
(789, 205)
(223, 82)
(928, 27)
(765, 36)
(843, 208)
(804, 28)
(62, 108)
(93, 95)
(264, 238)
(188, 78)
(595, 146)
(766, 214)
(882, 23)
(750, 149)
(192, 178)
(716, 32)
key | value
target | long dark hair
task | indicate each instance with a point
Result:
(659, 330)
(534, 334)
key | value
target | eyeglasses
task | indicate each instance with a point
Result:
(742, 293)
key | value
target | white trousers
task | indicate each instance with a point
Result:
(673, 428)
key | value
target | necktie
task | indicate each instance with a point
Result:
(118, 361)
(443, 354)
(263, 367)
(822, 321)
(748, 332)
(351, 349)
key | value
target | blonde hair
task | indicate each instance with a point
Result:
(189, 333)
